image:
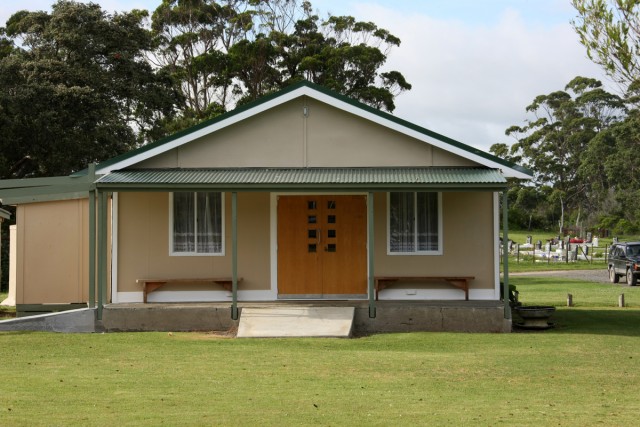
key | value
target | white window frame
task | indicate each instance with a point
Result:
(223, 226)
(439, 251)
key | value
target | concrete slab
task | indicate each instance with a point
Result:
(272, 322)
(80, 320)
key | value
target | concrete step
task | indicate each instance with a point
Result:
(296, 321)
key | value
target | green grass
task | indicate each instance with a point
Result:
(6, 311)
(553, 291)
(529, 265)
(583, 372)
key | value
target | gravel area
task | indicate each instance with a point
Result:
(600, 276)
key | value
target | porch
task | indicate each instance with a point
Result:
(391, 316)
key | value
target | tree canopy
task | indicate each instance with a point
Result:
(610, 31)
(230, 52)
(79, 85)
(580, 143)
(76, 89)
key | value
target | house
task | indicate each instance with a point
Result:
(302, 195)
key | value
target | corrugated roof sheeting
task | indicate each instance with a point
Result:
(301, 176)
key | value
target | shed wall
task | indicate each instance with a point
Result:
(52, 247)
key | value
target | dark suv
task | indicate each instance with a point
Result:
(624, 260)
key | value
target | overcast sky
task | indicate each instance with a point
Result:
(474, 64)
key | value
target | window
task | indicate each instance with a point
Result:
(197, 221)
(414, 223)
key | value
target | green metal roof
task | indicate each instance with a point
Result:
(457, 178)
(31, 190)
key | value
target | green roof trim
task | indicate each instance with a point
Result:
(31, 190)
(325, 91)
(338, 179)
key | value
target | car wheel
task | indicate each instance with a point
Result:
(632, 279)
(613, 277)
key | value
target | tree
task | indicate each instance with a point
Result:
(233, 51)
(610, 31)
(613, 152)
(555, 142)
(77, 90)
(193, 39)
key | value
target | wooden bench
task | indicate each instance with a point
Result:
(150, 285)
(460, 282)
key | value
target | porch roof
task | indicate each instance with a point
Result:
(315, 179)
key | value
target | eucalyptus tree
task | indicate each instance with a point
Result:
(610, 31)
(557, 140)
(228, 52)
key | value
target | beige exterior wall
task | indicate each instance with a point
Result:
(284, 137)
(468, 243)
(143, 244)
(52, 252)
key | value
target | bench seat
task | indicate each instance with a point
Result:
(460, 282)
(150, 285)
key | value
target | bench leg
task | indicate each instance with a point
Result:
(149, 287)
(463, 285)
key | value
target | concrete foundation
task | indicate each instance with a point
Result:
(168, 317)
(391, 316)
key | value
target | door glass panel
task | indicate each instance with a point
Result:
(311, 219)
(312, 247)
(331, 219)
(313, 234)
(331, 233)
(331, 247)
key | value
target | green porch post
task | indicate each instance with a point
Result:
(92, 249)
(234, 255)
(505, 255)
(102, 251)
(370, 228)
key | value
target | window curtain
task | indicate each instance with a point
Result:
(197, 222)
(184, 237)
(401, 222)
(427, 221)
(209, 222)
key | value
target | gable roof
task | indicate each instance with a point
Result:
(319, 93)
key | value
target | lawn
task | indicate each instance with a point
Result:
(584, 372)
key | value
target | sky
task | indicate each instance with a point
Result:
(474, 65)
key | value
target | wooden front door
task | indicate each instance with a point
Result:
(322, 246)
